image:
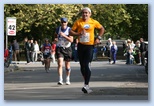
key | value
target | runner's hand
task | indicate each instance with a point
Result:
(97, 41)
(61, 34)
(83, 32)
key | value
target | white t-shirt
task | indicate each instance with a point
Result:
(62, 42)
(36, 47)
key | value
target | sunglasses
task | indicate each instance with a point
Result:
(63, 22)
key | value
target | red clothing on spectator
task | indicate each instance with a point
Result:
(6, 54)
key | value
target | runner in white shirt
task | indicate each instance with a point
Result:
(63, 50)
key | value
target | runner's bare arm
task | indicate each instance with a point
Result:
(101, 31)
(69, 38)
(73, 33)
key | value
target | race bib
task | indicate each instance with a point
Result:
(46, 51)
(63, 43)
(60, 42)
(85, 38)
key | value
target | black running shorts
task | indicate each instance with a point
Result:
(47, 55)
(65, 53)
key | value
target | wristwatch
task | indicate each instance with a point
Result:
(99, 37)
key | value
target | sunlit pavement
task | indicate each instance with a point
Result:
(108, 82)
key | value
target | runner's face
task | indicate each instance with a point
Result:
(64, 24)
(46, 41)
(26, 40)
(86, 14)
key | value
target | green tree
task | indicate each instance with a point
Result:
(39, 21)
(139, 21)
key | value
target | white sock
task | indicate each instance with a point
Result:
(60, 78)
(86, 86)
(67, 78)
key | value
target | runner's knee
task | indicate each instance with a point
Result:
(68, 69)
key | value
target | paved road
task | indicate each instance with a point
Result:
(108, 82)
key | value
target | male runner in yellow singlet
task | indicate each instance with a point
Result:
(84, 29)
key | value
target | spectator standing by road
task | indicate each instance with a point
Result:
(16, 51)
(11, 52)
(129, 50)
(63, 50)
(84, 29)
(137, 53)
(27, 50)
(143, 49)
(108, 46)
(32, 50)
(6, 56)
(36, 50)
(132, 44)
(114, 50)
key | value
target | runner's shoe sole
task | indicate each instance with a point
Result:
(68, 83)
(60, 83)
(84, 90)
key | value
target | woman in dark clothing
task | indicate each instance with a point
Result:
(27, 50)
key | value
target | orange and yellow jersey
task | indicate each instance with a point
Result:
(89, 27)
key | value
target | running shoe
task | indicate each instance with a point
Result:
(68, 82)
(60, 83)
(47, 70)
(86, 90)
